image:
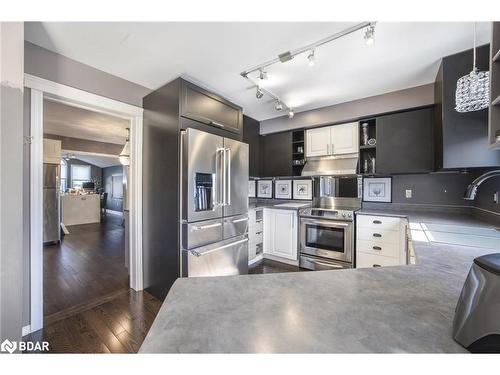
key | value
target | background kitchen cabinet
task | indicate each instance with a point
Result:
(405, 142)
(344, 138)
(318, 141)
(251, 136)
(461, 138)
(280, 233)
(276, 154)
(52, 151)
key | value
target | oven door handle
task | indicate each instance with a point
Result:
(333, 265)
(326, 223)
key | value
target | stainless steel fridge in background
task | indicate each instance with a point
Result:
(214, 205)
(51, 204)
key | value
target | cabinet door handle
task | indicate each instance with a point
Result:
(328, 149)
(377, 222)
(376, 265)
(216, 124)
(378, 248)
(377, 235)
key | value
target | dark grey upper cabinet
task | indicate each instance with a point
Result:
(251, 136)
(204, 106)
(461, 138)
(405, 142)
(276, 155)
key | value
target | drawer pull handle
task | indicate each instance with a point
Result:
(377, 248)
(376, 265)
(377, 235)
(377, 222)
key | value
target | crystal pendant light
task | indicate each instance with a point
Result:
(473, 90)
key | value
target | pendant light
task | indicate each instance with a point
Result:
(124, 156)
(473, 90)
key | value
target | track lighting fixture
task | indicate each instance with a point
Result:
(290, 113)
(262, 74)
(310, 58)
(259, 94)
(370, 35)
(278, 106)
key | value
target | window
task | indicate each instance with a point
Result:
(64, 175)
(79, 174)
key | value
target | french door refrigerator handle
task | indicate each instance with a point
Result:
(218, 176)
(228, 193)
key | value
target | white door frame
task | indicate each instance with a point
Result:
(40, 89)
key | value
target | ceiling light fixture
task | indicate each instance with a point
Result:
(310, 58)
(262, 74)
(370, 35)
(277, 105)
(290, 113)
(124, 156)
(259, 94)
(473, 89)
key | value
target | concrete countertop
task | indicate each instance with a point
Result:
(388, 309)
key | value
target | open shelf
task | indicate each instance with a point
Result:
(367, 147)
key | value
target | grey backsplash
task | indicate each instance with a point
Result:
(443, 189)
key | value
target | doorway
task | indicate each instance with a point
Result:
(46, 90)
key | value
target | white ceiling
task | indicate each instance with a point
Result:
(151, 54)
(99, 160)
(68, 121)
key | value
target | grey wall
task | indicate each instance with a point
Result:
(54, 67)
(484, 198)
(77, 144)
(95, 171)
(392, 101)
(11, 179)
(435, 188)
(107, 180)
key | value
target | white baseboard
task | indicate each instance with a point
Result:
(26, 330)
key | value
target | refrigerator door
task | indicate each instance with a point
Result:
(202, 155)
(51, 226)
(236, 177)
(219, 259)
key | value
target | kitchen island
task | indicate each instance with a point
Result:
(381, 310)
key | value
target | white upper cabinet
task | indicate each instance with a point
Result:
(318, 142)
(332, 140)
(345, 138)
(51, 151)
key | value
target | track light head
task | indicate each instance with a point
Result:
(370, 35)
(291, 113)
(278, 106)
(262, 74)
(310, 58)
(259, 94)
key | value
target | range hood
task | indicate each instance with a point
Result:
(331, 165)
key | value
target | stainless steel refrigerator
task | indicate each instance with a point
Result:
(214, 205)
(51, 204)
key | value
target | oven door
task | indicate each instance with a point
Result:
(327, 238)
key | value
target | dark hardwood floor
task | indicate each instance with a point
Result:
(116, 326)
(270, 266)
(88, 264)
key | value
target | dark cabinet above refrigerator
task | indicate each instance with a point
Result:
(461, 138)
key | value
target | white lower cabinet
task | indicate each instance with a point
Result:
(280, 233)
(254, 234)
(380, 241)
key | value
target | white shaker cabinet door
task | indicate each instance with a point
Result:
(280, 233)
(345, 138)
(318, 142)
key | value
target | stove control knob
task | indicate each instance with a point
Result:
(343, 214)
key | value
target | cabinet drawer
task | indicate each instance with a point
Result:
(378, 222)
(364, 260)
(378, 235)
(204, 106)
(378, 247)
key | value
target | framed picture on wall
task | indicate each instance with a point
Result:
(265, 188)
(377, 189)
(302, 189)
(283, 189)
